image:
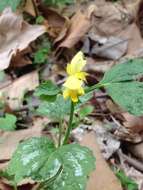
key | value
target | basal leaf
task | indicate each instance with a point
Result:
(77, 163)
(65, 168)
(7, 123)
(56, 110)
(30, 156)
(9, 3)
(122, 84)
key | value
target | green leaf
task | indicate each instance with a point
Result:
(85, 111)
(126, 182)
(55, 110)
(39, 19)
(47, 91)
(30, 156)
(9, 3)
(8, 122)
(41, 56)
(77, 163)
(65, 168)
(127, 71)
(120, 83)
(129, 95)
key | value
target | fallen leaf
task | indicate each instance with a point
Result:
(111, 48)
(134, 123)
(15, 35)
(77, 29)
(105, 181)
(10, 140)
(55, 21)
(21, 59)
(14, 93)
(30, 8)
(110, 23)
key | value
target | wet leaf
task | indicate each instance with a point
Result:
(77, 163)
(67, 167)
(30, 157)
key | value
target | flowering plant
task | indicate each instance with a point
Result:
(66, 166)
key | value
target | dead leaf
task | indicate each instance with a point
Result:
(134, 123)
(15, 35)
(14, 93)
(55, 22)
(10, 140)
(105, 181)
(21, 59)
(110, 23)
(111, 48)
(29, 8)
(80, 25)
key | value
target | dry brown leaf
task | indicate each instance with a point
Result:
(55, 22)
(136, 150)
(103, 178)
(80, 25)
(134, 123)
(21, 59)
(29, 8)
(10, 140)
(110, 23)
(14, 93)
(15, 35)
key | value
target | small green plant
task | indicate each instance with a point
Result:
(126, 181)
(41, 55)
(64, 166)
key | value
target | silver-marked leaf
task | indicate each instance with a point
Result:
(77, 163)
(30, 156)
(65, 168)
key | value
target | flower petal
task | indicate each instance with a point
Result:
(74, 96)
(73, 83)
(66, 93)
(77, 64)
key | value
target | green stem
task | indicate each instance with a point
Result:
(69, 124)
(96, 86)
(60, 133)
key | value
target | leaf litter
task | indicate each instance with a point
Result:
(107, 33)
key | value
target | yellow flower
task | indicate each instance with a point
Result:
(74, 82)
(73, 94)
(76, 66)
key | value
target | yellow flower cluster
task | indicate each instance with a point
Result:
(73, 86)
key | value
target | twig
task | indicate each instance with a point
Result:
(132, 161)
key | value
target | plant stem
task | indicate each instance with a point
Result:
(69, 124)
(96, 86)
(60, 133)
